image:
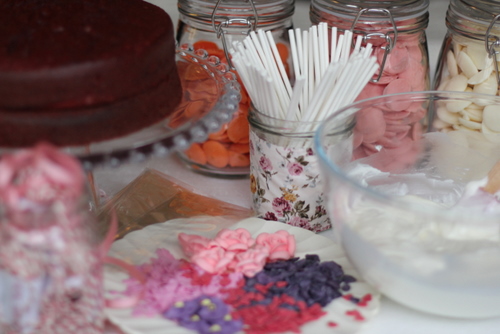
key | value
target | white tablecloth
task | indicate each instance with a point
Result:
(393, 318)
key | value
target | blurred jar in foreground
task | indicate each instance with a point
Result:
(469, 63)
(285, 179)
(213, 26)
(396, 29)
(50, 259)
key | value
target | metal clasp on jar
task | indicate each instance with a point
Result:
(391, 41)
(250, 22)
(491, 42)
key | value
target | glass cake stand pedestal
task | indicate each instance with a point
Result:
(217, 100)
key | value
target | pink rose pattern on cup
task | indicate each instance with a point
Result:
(286, 185)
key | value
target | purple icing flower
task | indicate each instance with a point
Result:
(281, 205)
(308, 279)
(270, 216)
(299, 222)
(204, 314)
(265, 163)
(295, 168)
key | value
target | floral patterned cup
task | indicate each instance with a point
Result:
(285, 179)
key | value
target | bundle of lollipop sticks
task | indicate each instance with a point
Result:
(329, 72)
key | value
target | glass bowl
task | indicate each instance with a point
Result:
(407, 204)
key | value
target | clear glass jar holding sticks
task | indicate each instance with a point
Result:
(468, 62)
(285, 179)
(396, 29)
(213, 26)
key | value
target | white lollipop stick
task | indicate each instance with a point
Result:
(278, 84)
(357, 46)
(281, 67)
(323, 46)
(310, 68)
(300, 49)
(333, 43)
(313, 34)
(346, 48)
(295, 56)
(293, 109)
(321, 95)
(338, 48)
(305, 71)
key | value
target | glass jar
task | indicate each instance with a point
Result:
(468, 62)
(396, 29)
(285, 179)
(213, 26)
(51, 278)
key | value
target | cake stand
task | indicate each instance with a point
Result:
(167, 136)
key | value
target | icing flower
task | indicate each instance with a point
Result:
(252, 261)
(280, 245)
(192, 243)
(205, 314)
(234, 240)
(308, 279)
(214, 260)
(236, 251)
(39, 176)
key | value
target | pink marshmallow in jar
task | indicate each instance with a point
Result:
(396, 31)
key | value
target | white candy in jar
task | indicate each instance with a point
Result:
(469, 69)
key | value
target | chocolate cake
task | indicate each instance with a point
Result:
(79, 71)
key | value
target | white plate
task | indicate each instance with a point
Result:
(139, 247)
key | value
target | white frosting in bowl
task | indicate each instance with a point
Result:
(434, 242)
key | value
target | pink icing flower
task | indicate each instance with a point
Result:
(294, 168)
(265, 163)
(213, 260)
(250, 262)
(281, 244)
(192, 243)
(281, 205)
(41, 175)
(234, 240)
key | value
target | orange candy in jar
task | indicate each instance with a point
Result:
(396, 29)
(213, 26)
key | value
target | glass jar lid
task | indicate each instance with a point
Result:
(474, 18)
(408, 15)
(262, 13)
(400, 9)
